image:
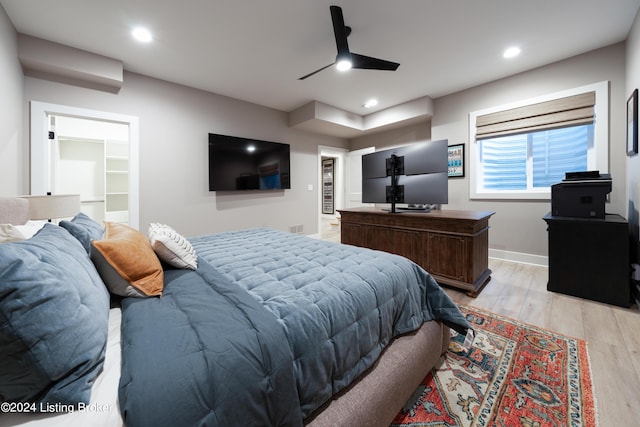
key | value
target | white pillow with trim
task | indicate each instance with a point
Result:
(172, 247)
(30, 228)
(9, 233)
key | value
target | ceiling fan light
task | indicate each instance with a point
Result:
(343, 61)
(343, 65)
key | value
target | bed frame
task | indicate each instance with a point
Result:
(378, 395)
(376, 398)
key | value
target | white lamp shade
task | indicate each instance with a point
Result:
(53, 206)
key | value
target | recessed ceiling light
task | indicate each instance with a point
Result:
(251, 148)
(370, 103)
(511, 52)
(142, 34)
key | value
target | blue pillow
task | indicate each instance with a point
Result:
(83, 228)
(54, 312)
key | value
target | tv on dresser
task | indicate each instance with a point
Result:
(415, 174)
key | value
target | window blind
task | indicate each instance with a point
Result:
(569, 111)
(551, 153)
(557, 152)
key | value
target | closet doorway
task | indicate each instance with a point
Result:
(331, 189)
(87, 152)
(346, 183)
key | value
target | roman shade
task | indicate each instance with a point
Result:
(562, 112)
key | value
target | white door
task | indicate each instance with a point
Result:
(354, 177)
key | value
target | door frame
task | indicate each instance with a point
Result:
(350, 184)
(40, 148)
(339, 178)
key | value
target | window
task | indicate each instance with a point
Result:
(533, 160)
(519, 151)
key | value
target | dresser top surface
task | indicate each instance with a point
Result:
(443, 214)
(608, 218)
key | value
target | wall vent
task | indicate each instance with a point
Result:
(296, 229)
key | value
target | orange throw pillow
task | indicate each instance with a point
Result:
(126, 262)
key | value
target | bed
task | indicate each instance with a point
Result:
(252, 327)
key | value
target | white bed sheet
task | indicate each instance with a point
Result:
(103, 410)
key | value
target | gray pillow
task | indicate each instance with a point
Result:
(54, 313)
(83, 228)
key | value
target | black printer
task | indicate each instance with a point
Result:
(580, 195)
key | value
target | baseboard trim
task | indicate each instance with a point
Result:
(519, 257)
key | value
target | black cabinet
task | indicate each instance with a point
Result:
(589, 258)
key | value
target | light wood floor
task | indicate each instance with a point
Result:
(612, 333)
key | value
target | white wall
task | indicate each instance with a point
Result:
(174, 125)
(175, 121)
(517, 227)
(394, 137)
(633, 163)
(14, 151)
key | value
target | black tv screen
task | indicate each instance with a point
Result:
(421, 174)
(247, 164)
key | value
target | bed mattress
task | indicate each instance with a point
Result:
(269, 327)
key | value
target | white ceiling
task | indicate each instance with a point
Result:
(255, 50)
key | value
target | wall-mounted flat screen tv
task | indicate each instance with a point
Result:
(237, 164)
(415, 174)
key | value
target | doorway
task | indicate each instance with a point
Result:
(331, 190)
(91, 158)
(346, 183)
(87, 152)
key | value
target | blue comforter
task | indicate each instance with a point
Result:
(268, 328)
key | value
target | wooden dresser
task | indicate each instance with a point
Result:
(453, 246)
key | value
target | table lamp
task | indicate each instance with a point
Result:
(53, 206)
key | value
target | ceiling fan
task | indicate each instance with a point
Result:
(346, 59)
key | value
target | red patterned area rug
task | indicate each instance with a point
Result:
(514, 375)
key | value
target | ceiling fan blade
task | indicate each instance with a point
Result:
(339, 30)
(316, 71)
(369, 63)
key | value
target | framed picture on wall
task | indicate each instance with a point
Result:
(632, 124)
(456, 161)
